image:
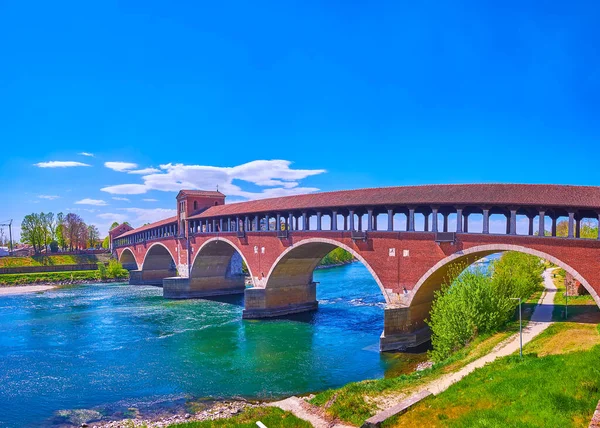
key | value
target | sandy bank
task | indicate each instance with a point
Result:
(22, 289)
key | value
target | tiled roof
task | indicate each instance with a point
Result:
(211, 193)
(520, 195)
(150, 226)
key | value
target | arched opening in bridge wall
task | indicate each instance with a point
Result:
(289, 286)
(216, 271)
(406, 324)
(127, 259)
(158, 264)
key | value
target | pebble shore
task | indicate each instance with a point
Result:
(218, 410)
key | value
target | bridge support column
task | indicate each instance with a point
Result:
(403, 327)
(193, 288)
(150, 277)
(279, 301)
(486, 220)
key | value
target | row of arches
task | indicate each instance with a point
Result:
(297, 263)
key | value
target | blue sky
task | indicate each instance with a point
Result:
(341, 94)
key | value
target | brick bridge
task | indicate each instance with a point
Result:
(407, 237)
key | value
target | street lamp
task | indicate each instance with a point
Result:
(566, 302)
(520, 327)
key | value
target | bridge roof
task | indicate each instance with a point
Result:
(150, 226)
(520, 195)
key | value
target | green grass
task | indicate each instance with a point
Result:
(272, 417)
(356, 402)
(50, 277)
(51, 260)
(577, 305)
(551, 391)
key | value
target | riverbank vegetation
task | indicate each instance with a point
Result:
(337, 257)
(114, 270)
(53, 260)
(480, 301)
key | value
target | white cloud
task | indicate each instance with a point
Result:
(144, 171)
(59, 164)
(49, 197)
(120, 166)
(276, 175)
(91, 155)
(125, 189)
(88, 201)
(117, 198)
(150, 200)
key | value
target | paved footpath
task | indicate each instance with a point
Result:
(541, 319)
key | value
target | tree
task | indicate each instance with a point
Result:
(54, 247)
(32, 231)
(47, 223)
(60, 231)
(93, 235)
(75, 231)
(106, 243)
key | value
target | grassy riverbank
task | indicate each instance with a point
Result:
(358, 401)
(54, 277)
(554, 385)
(53, 260)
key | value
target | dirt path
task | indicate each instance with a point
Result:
(7, 291)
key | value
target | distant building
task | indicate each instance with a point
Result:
(3, 251)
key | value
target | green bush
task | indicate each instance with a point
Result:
(479, 301)
(54, 247)
(115, 269)
(336, 257)
(102, 272)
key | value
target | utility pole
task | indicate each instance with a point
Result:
(9, 224)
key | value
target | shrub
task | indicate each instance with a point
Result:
(102, 272)
(337, 256)
(115, 269)
(54, 247)
(479, 301)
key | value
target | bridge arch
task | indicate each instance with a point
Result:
(289, 287)
(404, 324)
(158, 264)
(216, 270)
(432, 280)
(298, 262)
(127, 259)
(218, 260)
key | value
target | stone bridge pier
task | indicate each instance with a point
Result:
(216, 271)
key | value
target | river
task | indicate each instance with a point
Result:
(110, 347)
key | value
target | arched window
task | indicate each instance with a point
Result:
(217, 203)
